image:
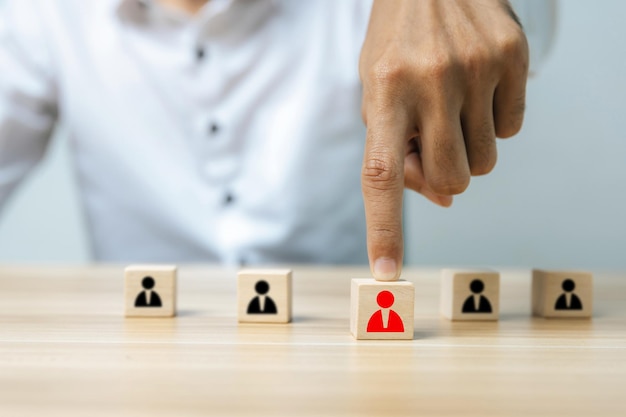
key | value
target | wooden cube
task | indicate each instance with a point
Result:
(562, 294)
(150, 290)
(470, 294)
(382, 309)
(264, 296)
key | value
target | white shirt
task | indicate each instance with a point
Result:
(250, 154)
(234, 136)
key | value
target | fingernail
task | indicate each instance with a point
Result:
(385, 269)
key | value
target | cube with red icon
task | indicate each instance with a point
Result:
(382, 309)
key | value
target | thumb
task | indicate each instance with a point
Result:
(382, 181)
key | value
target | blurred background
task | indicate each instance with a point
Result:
(556, 199)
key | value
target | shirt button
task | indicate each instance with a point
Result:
(214, 128)
(228, 199)
(200, 53)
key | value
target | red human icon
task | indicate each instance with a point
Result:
(394, 323)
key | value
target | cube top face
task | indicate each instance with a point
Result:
(562, 294)
(264, 296)
(470, 295)
(469, 270)
(150, 290)
(382, 310)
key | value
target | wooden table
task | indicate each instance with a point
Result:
(66, 350)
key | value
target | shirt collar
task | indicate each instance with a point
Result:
(144, 11)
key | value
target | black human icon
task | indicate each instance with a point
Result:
(574, 302)
(262, 303)
(484, 306)
(148, 298)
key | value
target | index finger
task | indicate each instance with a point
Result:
(382, 181)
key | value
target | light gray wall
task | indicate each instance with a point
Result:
(42, 221)
(555, 199)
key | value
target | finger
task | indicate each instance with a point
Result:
(510, 95)
(383, 184)
(480, 134)
(414, 180)
(444, 158)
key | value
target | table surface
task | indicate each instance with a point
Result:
(66, 350)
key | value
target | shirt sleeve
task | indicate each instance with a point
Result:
(28, 97)
(539, 20)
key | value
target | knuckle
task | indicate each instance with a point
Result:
(512, 44)
(386, 81)
(388, 72)
(380, 170)
(438, 66)
(385, 237)
(385, 231)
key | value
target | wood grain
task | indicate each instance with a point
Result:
(66, 350)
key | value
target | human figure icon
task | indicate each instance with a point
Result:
(148, 298)
(385, 319)
(477, 303)
(568, 300)
(262, 303)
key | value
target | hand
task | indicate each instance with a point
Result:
(441, 79)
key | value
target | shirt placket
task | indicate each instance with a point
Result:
(218, 159)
